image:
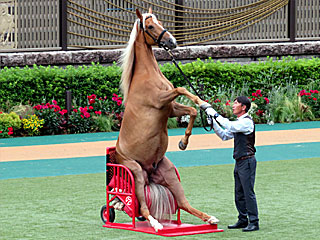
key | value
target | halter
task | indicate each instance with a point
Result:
(157, 41)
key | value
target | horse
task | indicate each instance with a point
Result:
(149, 99)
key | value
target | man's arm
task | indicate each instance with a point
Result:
(221, 133)
(245, 125)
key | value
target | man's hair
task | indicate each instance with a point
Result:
(244, 101)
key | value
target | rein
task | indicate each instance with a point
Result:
(192, 87)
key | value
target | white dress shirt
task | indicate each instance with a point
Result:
(242, 124)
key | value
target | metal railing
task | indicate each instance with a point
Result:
(67, 24)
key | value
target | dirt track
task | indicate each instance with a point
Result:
(206, 141)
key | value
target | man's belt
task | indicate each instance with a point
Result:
(244, 157)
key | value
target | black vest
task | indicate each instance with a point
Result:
(244, 144)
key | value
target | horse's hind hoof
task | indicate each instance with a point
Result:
(182, 146)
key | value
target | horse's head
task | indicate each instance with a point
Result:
(154, 32)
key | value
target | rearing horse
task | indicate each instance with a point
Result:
(149, 99)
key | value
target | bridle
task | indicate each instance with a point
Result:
(162, 45)
(156, 40)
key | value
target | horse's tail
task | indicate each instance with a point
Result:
(160, 201)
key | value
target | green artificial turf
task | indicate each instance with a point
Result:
(68, 207)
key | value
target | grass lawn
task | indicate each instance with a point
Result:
(68, 207)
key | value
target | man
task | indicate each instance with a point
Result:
(243, 132)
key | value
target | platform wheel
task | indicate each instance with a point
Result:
(103, 214)
(141, 218)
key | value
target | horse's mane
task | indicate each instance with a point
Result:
(126, 60)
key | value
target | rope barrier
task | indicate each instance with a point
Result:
(189, 28)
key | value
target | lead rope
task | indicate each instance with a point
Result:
(191, 86)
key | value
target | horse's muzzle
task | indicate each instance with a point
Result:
(171, 43)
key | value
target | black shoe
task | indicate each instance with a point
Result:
(251, 227)
(239, 224)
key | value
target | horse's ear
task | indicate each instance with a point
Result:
(139, 15)
(150, 10)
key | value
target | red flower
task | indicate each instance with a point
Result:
(87, 115)
(267, 100)
(98, 112)
(54, 102)
(10, 129)
(0, 131)
(302, 93)
(253, 99)
(82, 116)
(254, 95)
(10, 133)
(92, 101)
(0, 112)
(37, 107)
(63, 111)
(119, 102)
(315, 99)
(75, 110)
(315, 91)
(90, 107)
(258, 92)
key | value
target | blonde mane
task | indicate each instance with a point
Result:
(126, 60)
(127, 57)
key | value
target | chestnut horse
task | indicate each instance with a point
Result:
(149, 100)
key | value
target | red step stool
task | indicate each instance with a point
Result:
(120, 184)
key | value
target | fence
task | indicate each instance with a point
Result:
(67, 24)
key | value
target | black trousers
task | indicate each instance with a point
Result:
(245, 198)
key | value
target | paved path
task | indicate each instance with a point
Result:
(85, 153)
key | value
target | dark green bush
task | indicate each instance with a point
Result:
(40, 84)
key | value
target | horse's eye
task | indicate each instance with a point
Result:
(150, 27)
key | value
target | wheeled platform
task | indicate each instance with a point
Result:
(120, 184)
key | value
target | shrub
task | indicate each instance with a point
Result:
(312, 99)
(53, 116)
(32, 124)
(9, 123)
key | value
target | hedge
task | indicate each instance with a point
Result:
(39, 84)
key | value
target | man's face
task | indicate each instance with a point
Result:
(238, 108)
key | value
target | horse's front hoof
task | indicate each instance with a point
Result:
(182, 146)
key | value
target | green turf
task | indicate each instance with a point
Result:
(68, 207)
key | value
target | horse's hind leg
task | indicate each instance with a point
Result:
(165, 175)
(181, 110)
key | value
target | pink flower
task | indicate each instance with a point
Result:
(93, 96)
(90, 107)
(87, 115)
(98, 112)
(54, 102)
(114, 99)
(82, 116)
(119, 102)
